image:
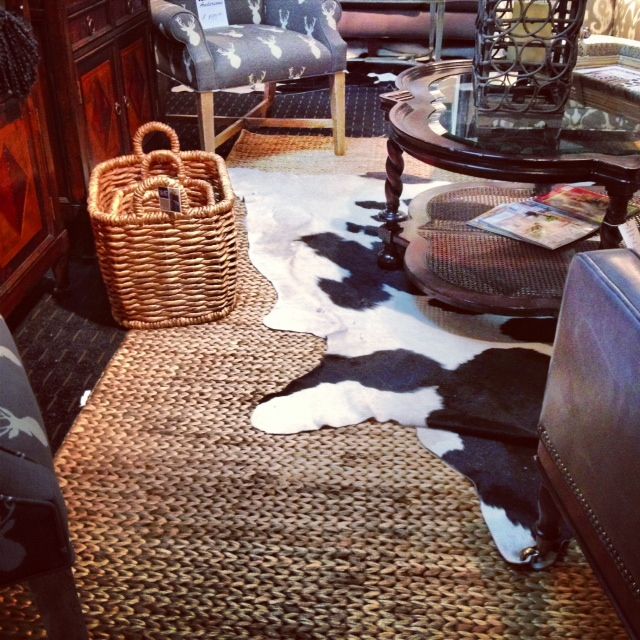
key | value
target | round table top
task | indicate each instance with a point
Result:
(434, 118)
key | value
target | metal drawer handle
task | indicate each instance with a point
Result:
(117, 108)
(130, 6)
(91, 25)
(127, 102)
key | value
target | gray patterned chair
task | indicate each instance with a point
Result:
(267, 41)
(34, 540)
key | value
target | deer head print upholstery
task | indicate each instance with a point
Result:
(34, 539)
(270, 36)
(269, 40)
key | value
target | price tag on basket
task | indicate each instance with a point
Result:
(169, 200)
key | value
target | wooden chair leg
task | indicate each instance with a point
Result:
(338, 112)
(164, 88)
(269, 95)
(206, 121)
(57, 599)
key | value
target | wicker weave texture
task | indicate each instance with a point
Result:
(164, 269)
(190, 524)
(491, 264)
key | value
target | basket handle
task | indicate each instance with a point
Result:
(150, 127)
(153, 183)
(159, 155)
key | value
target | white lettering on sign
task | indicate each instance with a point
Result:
(212, 13)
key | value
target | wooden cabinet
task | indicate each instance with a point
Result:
(102, 111)
(32, 236)
(116, 95)
(97, 86)
(100, 88)
(137, 96)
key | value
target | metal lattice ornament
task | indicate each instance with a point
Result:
(524, 54)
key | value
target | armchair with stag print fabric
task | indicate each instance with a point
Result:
(34, 539)
(265, 41)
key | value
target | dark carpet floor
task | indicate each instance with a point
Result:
(67, 340)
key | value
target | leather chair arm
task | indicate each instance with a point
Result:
(590, 421)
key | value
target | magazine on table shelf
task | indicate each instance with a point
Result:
(552, 220)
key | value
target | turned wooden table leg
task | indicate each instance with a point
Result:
(616, 215)
(390, 256)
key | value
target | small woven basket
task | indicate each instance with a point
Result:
(164, 269)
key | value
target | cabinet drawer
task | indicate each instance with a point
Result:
(124, 9)
(73, 6)
(87, 25)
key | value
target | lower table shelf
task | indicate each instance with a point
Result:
(476, 270)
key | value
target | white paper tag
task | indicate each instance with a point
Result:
(631, 235)
(169, 200)
(212, 13)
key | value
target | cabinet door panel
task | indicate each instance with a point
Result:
(21, 214)
(137, 84)
(101, 107)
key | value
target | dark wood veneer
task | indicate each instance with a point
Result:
(32, 236)
(97, 86)
(100, 86)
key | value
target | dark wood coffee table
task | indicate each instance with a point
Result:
(432, 118)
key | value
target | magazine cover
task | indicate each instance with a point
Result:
(580, 202)
(533, 222)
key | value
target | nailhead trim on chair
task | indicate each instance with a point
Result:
(602, 534)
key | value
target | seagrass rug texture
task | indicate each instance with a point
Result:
(189, 523)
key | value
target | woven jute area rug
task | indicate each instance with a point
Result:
(188, 523)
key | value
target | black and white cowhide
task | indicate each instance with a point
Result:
(471, 384)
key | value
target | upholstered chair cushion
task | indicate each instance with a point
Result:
(248, 54)
(33, 530)
(317, 19)
(291, 40)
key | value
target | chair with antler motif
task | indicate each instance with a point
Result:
(34, 534)
(251, 42)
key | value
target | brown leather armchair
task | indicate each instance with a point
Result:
(589, 449)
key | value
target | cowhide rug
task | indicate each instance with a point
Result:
(470, 384)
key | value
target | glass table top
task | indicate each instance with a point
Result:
(589, 125)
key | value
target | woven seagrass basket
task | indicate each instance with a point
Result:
(160, 268)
